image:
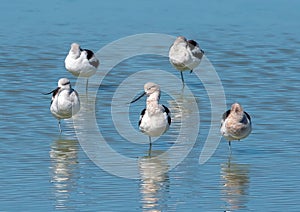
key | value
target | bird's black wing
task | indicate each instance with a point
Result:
(141, 116)
(192, 44)
(225, 115)
(90, 53)
(248, 116)
(168, 114)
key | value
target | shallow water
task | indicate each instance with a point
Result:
(253, 47)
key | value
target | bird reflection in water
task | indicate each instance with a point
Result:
(154, 185)
(235, 181)
(181, 106)
(63, 156)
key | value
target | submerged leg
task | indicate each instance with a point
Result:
(229, 146)
(87, 85)
(229, 161)
(59, 127)
(150, 147)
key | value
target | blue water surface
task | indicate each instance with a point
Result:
(253, 46)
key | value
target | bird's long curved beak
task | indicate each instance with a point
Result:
(54, 91)
(143, 94)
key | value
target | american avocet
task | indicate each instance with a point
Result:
(185, 55)
(81, 62)
(235, 124)
(65, 101)
(155, 119)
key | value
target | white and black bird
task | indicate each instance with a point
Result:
(235, 124)
(65, 101)
(81, 62)
(155, 119)
(185, 55)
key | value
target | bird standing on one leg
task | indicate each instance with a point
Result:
(155, 119)
(185, 55)
(235, 124)
(81, 62)
(65, 101)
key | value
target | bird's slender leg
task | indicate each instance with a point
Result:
(182, 77)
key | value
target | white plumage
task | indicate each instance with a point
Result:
(65, 101)
(185, 55)
(81, 62)
(155, 119)
(235, 124)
